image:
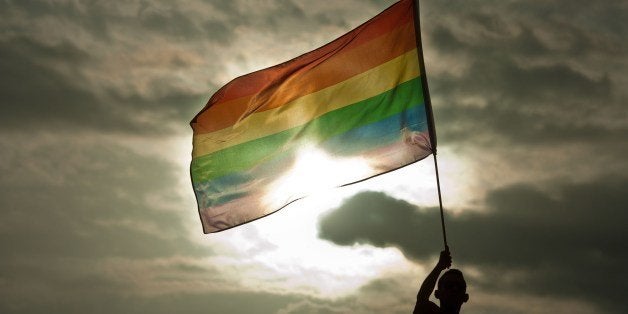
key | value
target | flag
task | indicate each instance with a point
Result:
(347, 111)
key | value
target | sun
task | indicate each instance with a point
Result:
(294, 250)
(313, 172)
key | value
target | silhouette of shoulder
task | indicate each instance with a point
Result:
(428, 307)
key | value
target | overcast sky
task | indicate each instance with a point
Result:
(97, 213)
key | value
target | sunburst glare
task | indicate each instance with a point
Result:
(315, 171)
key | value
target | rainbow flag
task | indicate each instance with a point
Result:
(350, 110)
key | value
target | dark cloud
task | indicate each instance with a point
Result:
(104, 20)
(43, 87)
(535, 78)
(566, 242)
(183, 23)
(287, 9)
(72, 209)
(94, 301)
(92, 17)
(89, 200)
(537, 105)
(383, 295)
(368, 217)
(30, 88)
(103, 67)
(74, 77)
(169, 22)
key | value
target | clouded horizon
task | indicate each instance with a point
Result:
(98, 214)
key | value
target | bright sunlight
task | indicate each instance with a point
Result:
(315, 171)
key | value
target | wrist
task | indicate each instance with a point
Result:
(441, 267)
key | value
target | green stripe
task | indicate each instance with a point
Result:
(246, 155)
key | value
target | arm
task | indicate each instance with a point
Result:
(429, 283)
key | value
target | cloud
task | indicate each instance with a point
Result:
(149, 66)
(93, 67)
(95, 301)
(87, 225)
(86, 222)
(368, 218)
(86, 197)
(524, 75)
(563, 242)
(389, 294)
(139, 67)
(51, 86)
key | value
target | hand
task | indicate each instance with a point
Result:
(444, 261)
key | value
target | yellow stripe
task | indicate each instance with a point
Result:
(299, 111)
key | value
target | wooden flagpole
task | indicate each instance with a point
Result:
(440, 203)
(428, 111)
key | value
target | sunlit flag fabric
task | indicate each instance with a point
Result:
(350, 110)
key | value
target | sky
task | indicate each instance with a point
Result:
(97, 213)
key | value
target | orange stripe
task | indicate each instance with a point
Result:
(391, 18)
(358, 88)
(309, 79)
(351, 54)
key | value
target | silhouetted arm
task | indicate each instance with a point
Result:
(429, 283)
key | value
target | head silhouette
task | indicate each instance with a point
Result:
(451, 291)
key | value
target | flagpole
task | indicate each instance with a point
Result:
(428, 109)
(440, 203)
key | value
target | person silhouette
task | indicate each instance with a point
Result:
(451, 291)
